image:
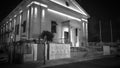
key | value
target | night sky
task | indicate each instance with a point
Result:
(99, 10)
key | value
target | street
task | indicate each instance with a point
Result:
(97, 63)
(111, 62)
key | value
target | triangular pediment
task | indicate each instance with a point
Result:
(71, 4)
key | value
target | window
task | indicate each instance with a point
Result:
(53, 26)
(24, 26)
(66, 37)
(17, 29)
(76, 31)
(67, 3)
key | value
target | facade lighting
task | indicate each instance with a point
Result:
(43, 13)
(21, 11)
(31, 11)
(28, 15)
(15, 15)
(20, 19)
(54, 11)
(14, 21)
(86, 28)
(36, 10)
(79, 8)
(10, 19)
(37, 3)
(84, 19)
(83, 26)
(82, 12)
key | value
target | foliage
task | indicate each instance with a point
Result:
(47, 36)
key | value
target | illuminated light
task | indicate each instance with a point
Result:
(28, 15)
(14, 21)
(21, 11)
(64, 15)
(83, 27)
(20, 23)
(71, 36)
(29, 4)
(32, 11)
(20, 19)
(65, 29)
(86, 27)
(15, 15)
(36, 11)
(37, 3)
(69, 7)
(10, 19)
(43, 13)
(84, 19)
(40, 4)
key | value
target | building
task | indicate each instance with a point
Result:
(66, 19)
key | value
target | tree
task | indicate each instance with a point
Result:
(47, 36)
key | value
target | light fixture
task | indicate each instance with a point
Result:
(64, 14)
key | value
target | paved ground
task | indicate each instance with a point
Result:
(107, 62)
(97, 63)
(26, 65)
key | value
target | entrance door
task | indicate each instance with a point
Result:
(66, 37)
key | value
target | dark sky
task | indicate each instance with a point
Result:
(104, 10)
(6, 6)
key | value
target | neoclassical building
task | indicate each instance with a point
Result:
(66, 19)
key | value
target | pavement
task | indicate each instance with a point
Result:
(108, 62)
(51, 63)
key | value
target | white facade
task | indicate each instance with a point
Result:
(32, 17)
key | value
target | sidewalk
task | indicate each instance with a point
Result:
(50, 62)
(24, 65)
(71, 60)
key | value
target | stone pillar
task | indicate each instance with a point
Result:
(85, 33)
